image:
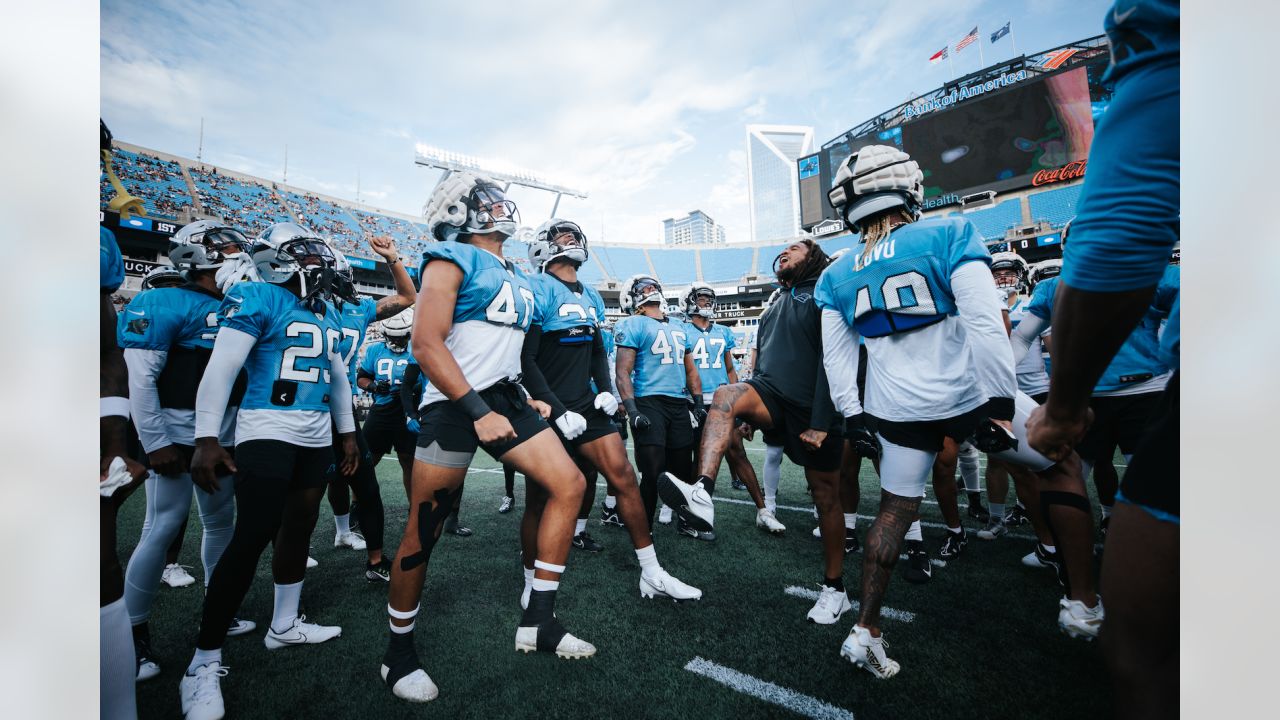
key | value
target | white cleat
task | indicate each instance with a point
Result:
(349, 539)
(1079, 621)
(147, 669)
(832, 603)
(311, 562)
(201, 693)
(176, 576)
(569, 647)
(414, 687)
(300, 633)
(817, 533)
(690, 502)
(664, 515)
(766, 521)
(239, 626)
(663, 584)
(868, 653)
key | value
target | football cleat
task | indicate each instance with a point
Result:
(507, 503)
(311, 562)
(201, 693)
(662, 584)
(1078, 621)
(868, 653)
(738, 484)
(147, 667)
(978, 512)
(379, 572)
(817, 533)
(584, 541)
(689, 531)
(831, 604)
(176, 576)
(954, 544)
(417, 686)
(690, 502)
(238, 626)
(994, 528)
(349, 539)
(300, 633)
(568, 646)
(1041, 558)
(1017, 515)
(664, 515)
(766, 521)
(609, 516)
(851, 544)
(917, 570)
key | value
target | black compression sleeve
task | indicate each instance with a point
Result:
(600, 367)
(409, 389)
(531, 375)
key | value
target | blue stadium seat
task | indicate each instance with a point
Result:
(1055, 206)
(726, 263)
(993, 221)
(834, 245)
(674, 266)
(251, 206)
(622, 263)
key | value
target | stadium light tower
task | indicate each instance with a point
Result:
(499, 170)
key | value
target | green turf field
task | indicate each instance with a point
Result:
(979, 641)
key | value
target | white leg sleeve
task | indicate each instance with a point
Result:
(168, 502)
(117, 664)
(969, 467)
(1023, 455)
(772, 469)
(904, 471)
(218, 517)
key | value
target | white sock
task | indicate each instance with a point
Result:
(117, 664)
(204, 657)
(648, 557)
(851, 521)
(997, 510)
(528, 577)
(955, 530)
(343, 522)
(913, 532)
(580, 527)
(610, 502)
(1051, 549)
(286, 609)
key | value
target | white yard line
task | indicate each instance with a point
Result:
(807, 594)
(809, 510)
(798, 703)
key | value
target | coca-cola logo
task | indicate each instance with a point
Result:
(1070, 171)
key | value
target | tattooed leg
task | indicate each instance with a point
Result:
(881, 553)
(730, 401)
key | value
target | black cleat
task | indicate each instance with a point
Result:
(508, 502)
(1017, 515)
(954, 544)
(609, 516)
(584, 541)
(851, 544)
(379, 572)
(917, 570)
(739, 485)
(687, 530)
(978, 512)
(460, 531)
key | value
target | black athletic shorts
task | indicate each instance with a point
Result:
(1040, 398)
(669, 422)
(862, 373)
(385, 430)
(789, 420)
(281, 466)
(928, 435)
(598, 425)
(366, 457)
(448, 437)
(1151, 481)
(1117, 422)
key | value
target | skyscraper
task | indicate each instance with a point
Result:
(772, 182)
(697, 228)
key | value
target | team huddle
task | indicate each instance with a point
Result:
(916, 350)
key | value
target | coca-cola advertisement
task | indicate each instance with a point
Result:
(1070, 171)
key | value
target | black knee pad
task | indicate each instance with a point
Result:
(430, 517)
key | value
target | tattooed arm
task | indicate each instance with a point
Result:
(405, 293)
(884, 539)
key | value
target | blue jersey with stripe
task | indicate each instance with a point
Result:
(559, 307)
(707, 347)
(660, 348)
(164, 318)
(906, 282)
(383, 363)
(355, 319)
(289, 366)
(110, 263)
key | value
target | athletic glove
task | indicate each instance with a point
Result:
(697, 412)
(571, 424)
(864, 442)
(992, 438)
(606, 403)
(380, 387)
(412, 425)
(638, 421)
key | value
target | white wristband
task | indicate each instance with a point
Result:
(115, 405)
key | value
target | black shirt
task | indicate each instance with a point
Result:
(789, 354)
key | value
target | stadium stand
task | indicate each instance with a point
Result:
(159, 183)
(328, 218)
(674, 267)
(993, 221)
(726, 263)
(1055, 207)
(836, 244)
(410, 238)
(621, 262)
(251, 206)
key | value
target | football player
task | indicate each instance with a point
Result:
(473, 311)
(412, 388)
(168, 334)
(566, 366)
(286, 336)
(922, 295)
(657, 381)
(355, 314)
(711, 347)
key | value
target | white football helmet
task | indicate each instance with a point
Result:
(163, 276)
(287, 249)
(396, 329)
(1002, 262)
(205, 245)
(466, 203)
(640, 290)
(874, 179)
(691, 306)
(344, 279)
(1045, 270)
(552, 241)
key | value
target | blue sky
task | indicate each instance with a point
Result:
(642, 104)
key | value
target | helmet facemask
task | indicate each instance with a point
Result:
(316, 265)
(567, 242)
(701, 301)
(489, 210)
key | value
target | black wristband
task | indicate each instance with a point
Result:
(630, 405)
(472, 404)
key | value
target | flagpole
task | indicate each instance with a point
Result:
(951, 66)
(1013, 38)
(981, 60)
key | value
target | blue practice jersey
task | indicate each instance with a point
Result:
(1137, 366)
(660, 348)
(110, 263)
(560, 308)
(383, 363)
(179, 321)
(355, 319)
(708, 348)
(289, 366)
(494, 309)
(1033, 376)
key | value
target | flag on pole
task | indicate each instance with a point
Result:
(967, 40)
(938, 56)
(1001, 32)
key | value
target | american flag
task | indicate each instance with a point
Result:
(967, 40)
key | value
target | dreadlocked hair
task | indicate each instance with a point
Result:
(815, 261)
(878, 228)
